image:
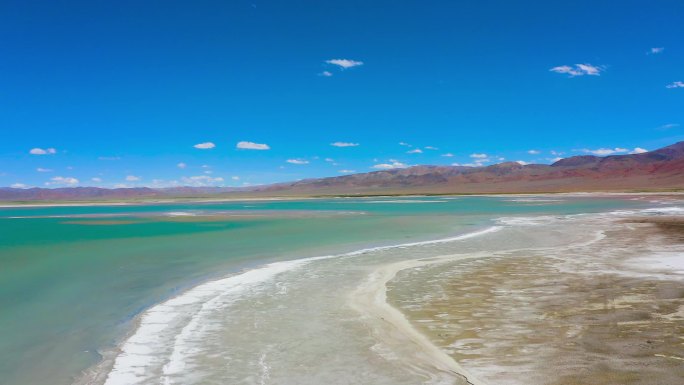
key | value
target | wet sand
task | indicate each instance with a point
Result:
(604, 313)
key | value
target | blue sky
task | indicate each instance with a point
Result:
(121, 93)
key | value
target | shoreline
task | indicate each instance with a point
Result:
(66, 203)
(99, 373)
(370, 299)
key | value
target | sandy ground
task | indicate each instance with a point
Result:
(532, 318)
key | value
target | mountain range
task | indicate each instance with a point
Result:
(658, 170)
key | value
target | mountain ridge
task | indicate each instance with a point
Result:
(661, 169)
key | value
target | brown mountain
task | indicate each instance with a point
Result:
(659, 170)
(662, 169)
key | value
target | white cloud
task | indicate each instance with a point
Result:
(448, 155)
(132, 178)
(297, 161)
(122, 185)
(388, 166)
(326, 74)
(40, 151)
(638, 150)
(330, 160)
(556, 159)
(346, 171)
(344, 63)
(521, 162)
(181, 165)
(533, 152)
(235, 177)
(344, 144)
(416, 151)
(252, 146)
(675, 85)
(604, 151)
(578, 70)
(19, 185)
(431, 148)
(201, 180)
(60, 180)
(479, 156)
(205, 146)
(656, 50)
(40, 169)
(556, 152)
(96, 180)
(405, 144)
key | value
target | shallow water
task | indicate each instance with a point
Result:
(70, 291)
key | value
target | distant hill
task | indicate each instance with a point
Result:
(662, 169)
(657, 170)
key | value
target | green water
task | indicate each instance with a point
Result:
(69, 289)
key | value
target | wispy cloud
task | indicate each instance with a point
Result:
(205, 146)
(344, 63)
(18, 185)
(252, 146)
(667, 126)
(604, 151)
(62, 181)
(521, 162)
(655, 50)
(388, 166)
(201, 180)
(181, 165)
(578, 70)
(235, 177)
(638, 150)
(533, 152)
(326, 74)
(297, 161)
(40, 169)
(431, 148)
(416, 151)
(405, 144)
(344, 144)
(40, 151)
(675, 85)
(132, 178)
(346, 171)
(448, 155)
(96, 180)
(480, 159)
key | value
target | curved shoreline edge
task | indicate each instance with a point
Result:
(126, 363)
(370, 300)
